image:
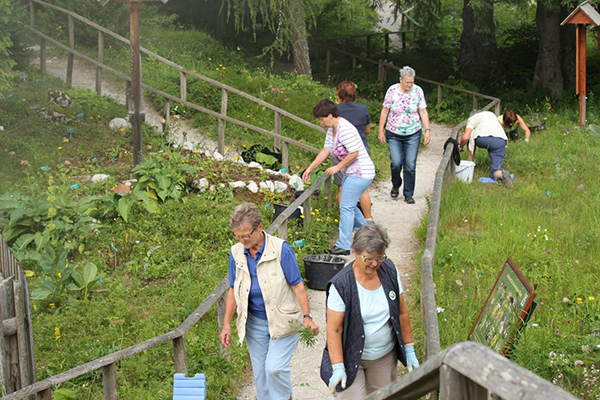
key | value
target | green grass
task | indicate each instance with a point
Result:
(548, 224)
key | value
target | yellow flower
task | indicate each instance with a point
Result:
(312, 213)
(236, 158)
(59, 274)
(23, 100)
(302, 216)
(34, 307)
(65, 140)
(217, 69)
(209, 59)
(318, 219)
(591, 298)
(197, 151)
(239, 48)
(247, 115)
(60, 147)
(579, 299)
(335, 220)
(52, 305)
(56, 333)
(91, 117)
(29, 273)
(226, 148)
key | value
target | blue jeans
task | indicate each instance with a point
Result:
(403, 153)
(270, 360)
(350, 215)
(496, 148)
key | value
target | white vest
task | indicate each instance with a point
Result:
(281, 304)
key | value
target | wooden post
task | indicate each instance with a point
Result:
(221, 133)
(453, 385)
(167, 113)
(581, 73)
(328, 191)
(285, 155)
(475, 102)
(43, 56)
(353, 63)
(328, 62)
(46, 394)
(221, 317)
(4, 360)
(109, 380)
(21, 334)
(307, 209)
(439, 98)
(71, 56)
(31, 13)
(183, 86)
(100, 60)
(387, 44)
(180, 356)
(282, 230)
(277, 130)
(497, 109)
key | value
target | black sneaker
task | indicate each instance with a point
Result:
(395, 192)
(337, 251)
(409, 200)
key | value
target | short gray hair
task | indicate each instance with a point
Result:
(407, 71)
(372, 239)
(243, 214)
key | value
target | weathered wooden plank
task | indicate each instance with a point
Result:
(221, 128)
(3, 345)
(453, 385)
(180, 356)
(29, 327)
(101, 61)
(277, 130)
(14, 378)
(182, 85)
(285, 156)
(282, 230)
(22, 335)
(497, 373)
(109, 381)
(413, 385)
(70, 57)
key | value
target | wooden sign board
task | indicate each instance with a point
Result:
(508, 305)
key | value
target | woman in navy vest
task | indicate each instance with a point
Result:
(368, 326)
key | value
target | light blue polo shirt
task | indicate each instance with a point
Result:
(289, 264)
(375, 312)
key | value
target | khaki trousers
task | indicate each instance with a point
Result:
(372, 375)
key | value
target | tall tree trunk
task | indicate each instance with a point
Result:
(299, 38)
(478, 50)
(548, 72)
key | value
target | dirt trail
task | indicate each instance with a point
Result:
(399, 218)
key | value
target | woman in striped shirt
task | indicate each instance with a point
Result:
(343, 142)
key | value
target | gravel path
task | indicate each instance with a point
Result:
(398, 218)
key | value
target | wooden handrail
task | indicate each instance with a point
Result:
(183, 69)
(470, 370)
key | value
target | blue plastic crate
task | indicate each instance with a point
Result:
(189, 388)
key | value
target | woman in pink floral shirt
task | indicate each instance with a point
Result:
(404, 109)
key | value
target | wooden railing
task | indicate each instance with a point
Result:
(176, 336)
(471, 371)
(281, 142)
(368, 36)
(382, 72)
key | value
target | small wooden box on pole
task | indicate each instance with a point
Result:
(585, 14)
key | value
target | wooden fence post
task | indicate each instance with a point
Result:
(285, 156)
(328, 192)
(4, 361)
(307, 208)
(180, 356)
(475, 103)
(31, 13)
(183, 86)
(439, 98)
(71, 56)
(328, 62)
(221, 317)
(43, 56)
(277, 130)
(221, 134)
(453, 385)
(100, 60)
(167, 113)
(21, 334)
(282, 230)
(497, 109)
(46, 394)
(109, 380)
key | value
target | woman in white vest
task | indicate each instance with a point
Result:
(266, 288)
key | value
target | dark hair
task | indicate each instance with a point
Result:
(346, 91)
(509, 117)
(324, 108)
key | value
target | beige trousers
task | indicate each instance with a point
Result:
(372, 375)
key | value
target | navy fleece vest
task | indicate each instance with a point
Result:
(353, 336)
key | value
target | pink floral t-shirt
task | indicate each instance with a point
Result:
(403, 118)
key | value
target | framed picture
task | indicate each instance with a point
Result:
(508, 306)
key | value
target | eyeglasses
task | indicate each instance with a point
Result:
(245, 237)
(370, 260)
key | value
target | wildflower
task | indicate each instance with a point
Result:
(566, 300)
(585, 348)
(302, 216)
(122, 129)
(440, 310)
(65, 140)
(548, 251)
(34, 307)
(91, 117)
(578, 363)
(56, 333)
(236, 158)
(24, 163)
(248, 115)
(318, 219)
(29, 273)
(591, 298)
(552, 354)
(59, 274)
(312, 213)
(579, 300)
(239, 48)
(209, 59)
(226, 148)
(335, 220)
(52, 305)
(197, 151)
(60, 147)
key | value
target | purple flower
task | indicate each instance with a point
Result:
(548, 251)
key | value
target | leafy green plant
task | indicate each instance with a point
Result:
(165, 175)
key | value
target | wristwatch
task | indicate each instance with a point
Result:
(309, 315)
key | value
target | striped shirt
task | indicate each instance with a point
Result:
(346, 141)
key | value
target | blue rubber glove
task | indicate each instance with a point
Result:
(411, 357)
(339, 375)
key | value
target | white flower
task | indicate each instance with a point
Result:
(566, 300)
(552, 354)
(578, 363)
(440, 310)
(585, 348)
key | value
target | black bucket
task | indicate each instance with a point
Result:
(279, 208)
(320, 268)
